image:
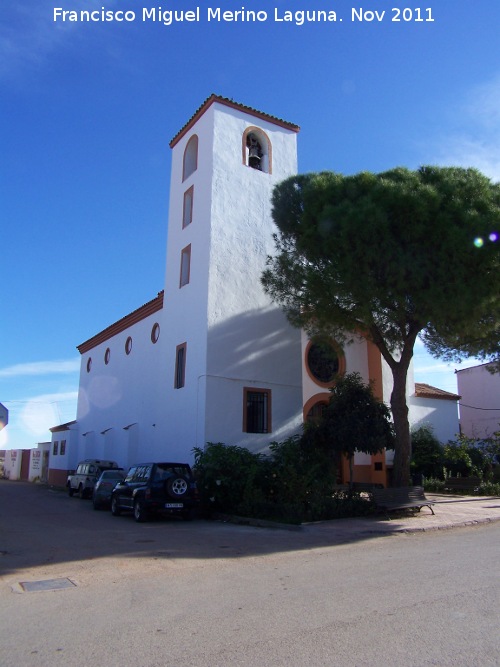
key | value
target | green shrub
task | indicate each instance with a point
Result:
(464, 457)
(489, 489)
(434, 485)
(427, 453)
(293, 484)
(228, 476)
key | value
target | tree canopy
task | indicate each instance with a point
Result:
(391, 256)
(353, 421)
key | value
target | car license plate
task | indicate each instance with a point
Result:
(170, 506)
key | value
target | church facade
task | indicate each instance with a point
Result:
(210, 358)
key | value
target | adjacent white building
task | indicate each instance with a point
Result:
(480, 401)
(210, 358)
(430, 406)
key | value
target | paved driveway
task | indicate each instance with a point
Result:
(169, 593)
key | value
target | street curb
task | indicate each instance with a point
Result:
(461, 524)
(256, 523)
(261, 523)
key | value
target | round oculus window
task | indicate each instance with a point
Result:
(155, 332)
(128, 345)
(323, 361)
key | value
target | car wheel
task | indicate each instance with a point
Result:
(70, 491)
(115, 507)
(176, 487)
(140, 512)
(81, 492)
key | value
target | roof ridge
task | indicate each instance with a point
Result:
(123, 323)
(423, 389)
(227, 101)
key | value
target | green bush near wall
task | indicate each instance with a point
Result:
(291, 484)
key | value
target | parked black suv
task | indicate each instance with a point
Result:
(156, 487)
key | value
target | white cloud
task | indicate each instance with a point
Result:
(476, 142)
(41, 368)
(29, 35)
(31, 417)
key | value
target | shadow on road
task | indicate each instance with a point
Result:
(41, 526)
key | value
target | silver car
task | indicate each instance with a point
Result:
(83, 479)
(101, 495)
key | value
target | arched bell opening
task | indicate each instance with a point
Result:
(257, 150)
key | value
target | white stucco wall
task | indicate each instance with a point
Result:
(39, 459)
(250, 342)
(12, 464)
(480, 402)
(73, 451)
(235, 337)
(441, 415)
(181, 410)
(115, 395)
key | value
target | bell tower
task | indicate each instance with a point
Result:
(232, 363)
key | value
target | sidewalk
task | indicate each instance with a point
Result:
(450, 511)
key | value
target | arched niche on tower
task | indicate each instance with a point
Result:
(190, 160)
(257, 149)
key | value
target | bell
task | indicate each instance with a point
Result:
(253, 152)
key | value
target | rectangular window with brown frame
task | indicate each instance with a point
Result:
(256, 410)
(185, 266)
(180, 366)
(187, 210)
(63, 447)
(55, 448)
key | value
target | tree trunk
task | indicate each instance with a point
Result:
(399, 409)
(351, 473)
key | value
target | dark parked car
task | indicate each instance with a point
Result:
(104, 486)
(83, 480)
(168, 488)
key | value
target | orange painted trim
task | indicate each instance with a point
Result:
(324, 398)
(180, 379)
(155, 333)
(128, 345)
(341, 359)
(136, 316)
(257, 390)
(187, 207)
(185, 263)
(233, 105)
(189, 146)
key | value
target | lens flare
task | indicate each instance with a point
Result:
(478, 242)
(493, 236)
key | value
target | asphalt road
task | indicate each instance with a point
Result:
(170, 593)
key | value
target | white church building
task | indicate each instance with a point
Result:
(210, 358)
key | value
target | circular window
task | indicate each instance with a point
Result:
(155, 332)
(324, 361)
(128, 345)
(107, 355)
(89, 364)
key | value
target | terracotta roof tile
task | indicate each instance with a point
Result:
(121, 325)
(423, 390)
(62, 427)
(234, 105)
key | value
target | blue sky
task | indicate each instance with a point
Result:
(87, 111)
